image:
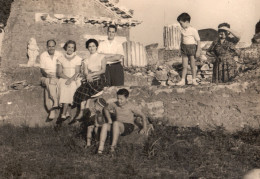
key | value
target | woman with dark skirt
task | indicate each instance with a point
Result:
(224, 51)
(94, 80)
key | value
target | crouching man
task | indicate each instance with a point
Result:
(48, 63)
(124, 123)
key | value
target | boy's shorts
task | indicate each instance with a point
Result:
(188, 50)
(129, 128)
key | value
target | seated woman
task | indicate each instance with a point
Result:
(224, 51)
(68, 68)
(94, 68)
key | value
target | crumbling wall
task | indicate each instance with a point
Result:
(21, 26)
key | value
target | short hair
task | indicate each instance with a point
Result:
(112, 26)
(224, 25)
(70, 42)
(51, 40)
(123, 91)
(184, 17)
(91, 41)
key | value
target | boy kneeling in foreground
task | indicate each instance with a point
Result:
(124, 124)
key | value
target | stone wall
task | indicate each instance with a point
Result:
(21, 26)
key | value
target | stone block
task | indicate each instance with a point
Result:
(204, 67)
(161, 75)
(155, 109)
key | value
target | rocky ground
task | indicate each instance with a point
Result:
(232, 105)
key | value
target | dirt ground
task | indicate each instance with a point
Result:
(207, 131)
(233, 106)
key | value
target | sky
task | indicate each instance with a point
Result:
(242, 15)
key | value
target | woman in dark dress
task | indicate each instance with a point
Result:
(224, 51)
(94, 80)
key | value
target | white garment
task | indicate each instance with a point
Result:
(111, 47)
(189, 36)
(93, 62)
(66, 92)
(49, 64)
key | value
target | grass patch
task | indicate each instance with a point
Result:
(169, 152)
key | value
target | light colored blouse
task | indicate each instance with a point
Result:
(69, 66)
(93, 62)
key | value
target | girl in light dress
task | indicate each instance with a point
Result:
(68, 68)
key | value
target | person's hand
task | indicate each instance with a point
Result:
(89, 78)
(143, 131)
(68, 82)
(197, 54)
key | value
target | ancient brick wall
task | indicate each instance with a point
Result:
(21, 26)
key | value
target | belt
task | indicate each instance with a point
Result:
(113, 63)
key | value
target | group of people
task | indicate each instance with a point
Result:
(222, 50)
(71, 81)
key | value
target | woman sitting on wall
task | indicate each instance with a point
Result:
(68, 68)
(94, 68)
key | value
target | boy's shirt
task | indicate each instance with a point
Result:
(189, 36)
(124, 113)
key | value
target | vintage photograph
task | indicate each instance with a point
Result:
(130, 89)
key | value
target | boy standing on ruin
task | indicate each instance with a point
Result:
(190, 47)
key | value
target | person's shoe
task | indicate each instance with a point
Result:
(100, 152)
(181, 83)
(194, 82)
(49, 119)
(112, 151)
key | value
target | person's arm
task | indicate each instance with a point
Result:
(112, 57)
(234, 33)
(142, 115)
(197, 38)
(116, 56)
(198, 49)
(210, 50)
(60, 72)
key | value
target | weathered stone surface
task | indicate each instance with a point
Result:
(204, 67)
(161, 75)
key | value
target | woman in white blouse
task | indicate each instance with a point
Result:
(94, 68)
(68, 68)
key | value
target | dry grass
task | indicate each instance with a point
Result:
(169, 152)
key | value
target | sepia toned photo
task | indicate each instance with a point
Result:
(130, 89)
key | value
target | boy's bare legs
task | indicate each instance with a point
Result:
(184, 71)
(193, 70)
(103, 136)
(118, 128)
(80, 110)
(89, 135)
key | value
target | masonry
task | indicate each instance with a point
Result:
(22, 25)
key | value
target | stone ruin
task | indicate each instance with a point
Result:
(61, 20)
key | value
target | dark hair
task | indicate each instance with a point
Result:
(51, 40)
(91, 41)
(184, 17)
(70, 42)
(123, 91)
(112, 26)
(224, 25)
